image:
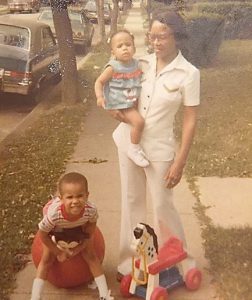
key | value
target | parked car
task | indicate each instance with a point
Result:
(83, 29)
(29, 56)
(23, 5)
(91, 11)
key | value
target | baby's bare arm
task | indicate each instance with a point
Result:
(100, 82)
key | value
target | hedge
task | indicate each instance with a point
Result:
(238, 17)
(205, 35)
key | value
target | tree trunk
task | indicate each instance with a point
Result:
(63, 29)
(101, 23)
(114, 17)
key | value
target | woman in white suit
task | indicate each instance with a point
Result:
(168, 82)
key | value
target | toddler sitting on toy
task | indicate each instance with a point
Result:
(68, 212)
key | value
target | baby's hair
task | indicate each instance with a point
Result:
(121, 31)
(72, 177)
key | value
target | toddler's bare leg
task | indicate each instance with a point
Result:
(135, 152)
(44, 266)
(96, 269)
(133, 117)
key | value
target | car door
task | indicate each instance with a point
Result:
(45, 64)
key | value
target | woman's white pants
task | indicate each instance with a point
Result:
(134, 183)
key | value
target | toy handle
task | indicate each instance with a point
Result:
(137, 280)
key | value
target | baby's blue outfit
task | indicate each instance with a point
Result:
(124, 87)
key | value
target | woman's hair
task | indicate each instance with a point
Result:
(121, 31)
(174, 21)
(72, 177)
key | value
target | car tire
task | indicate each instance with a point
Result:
(84, 49)
(35, 97)
(57, 78)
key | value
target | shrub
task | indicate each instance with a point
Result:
(238, 17)
(238, 24)
(205, 35)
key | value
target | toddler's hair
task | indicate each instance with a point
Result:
(72, 177)
(120, 31)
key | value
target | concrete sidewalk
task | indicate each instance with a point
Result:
(104, 184)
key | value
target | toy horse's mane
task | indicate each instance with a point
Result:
(151, 231)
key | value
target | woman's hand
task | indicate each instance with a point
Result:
(174, 174)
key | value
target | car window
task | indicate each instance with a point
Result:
(75, 18)
(106, 7)
(46, 15)
(90, 6)
(14, 36)
(84, 18)
(47, 39)
(13, 64)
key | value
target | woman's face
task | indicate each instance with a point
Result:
(162, 40)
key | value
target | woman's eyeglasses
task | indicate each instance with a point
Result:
(160, 37)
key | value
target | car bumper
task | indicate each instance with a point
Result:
(79, 42)
(15, 88)
(20, 7)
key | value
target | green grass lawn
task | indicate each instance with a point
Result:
(223, 143)
(223, 147)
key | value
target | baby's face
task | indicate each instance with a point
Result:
(74, 197)
(122, 47)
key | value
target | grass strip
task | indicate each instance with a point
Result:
(223, 147)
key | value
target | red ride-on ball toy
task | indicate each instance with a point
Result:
(72, 272)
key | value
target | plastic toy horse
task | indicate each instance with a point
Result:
(154, 271)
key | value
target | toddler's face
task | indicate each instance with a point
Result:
(122, 47)
(74, 197)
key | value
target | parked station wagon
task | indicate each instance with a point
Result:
(83, 29)
(91, 11)
(29, 56)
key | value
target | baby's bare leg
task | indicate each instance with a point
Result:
(133, 117)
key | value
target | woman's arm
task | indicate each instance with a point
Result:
(175, 172)
(105, 76)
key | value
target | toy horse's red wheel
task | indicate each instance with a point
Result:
(193, 279)
(159, 293)
(125, 286)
